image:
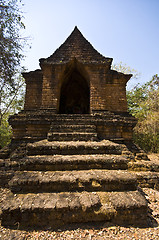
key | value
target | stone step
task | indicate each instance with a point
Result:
(73, 121)
(74, 136)
(83, 116)
(52, 210)
(86, 118)
(72, 116)
(148, 179)
(143, 165)
(46, 147)
(60, 181)
(73, 128)
(73, 162)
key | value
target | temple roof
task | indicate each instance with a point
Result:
(76, 46)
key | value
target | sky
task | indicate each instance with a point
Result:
(125, 30)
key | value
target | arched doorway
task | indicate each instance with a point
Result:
(75, 94)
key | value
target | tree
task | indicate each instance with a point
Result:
(11, 43)
(11, 103)
(11, 54)
(121, 67)
(124, 68)
(143, 103)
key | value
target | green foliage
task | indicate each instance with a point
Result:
(11, 103)
(12, 99)
(143, 103)
(11, 54)
(11, 43)
(5, 132)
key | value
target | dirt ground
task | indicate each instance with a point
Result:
(154, 157)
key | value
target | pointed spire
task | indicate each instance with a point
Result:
(76, 30)
(76, 46)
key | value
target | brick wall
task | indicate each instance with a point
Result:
(33, 95)
(107, 87)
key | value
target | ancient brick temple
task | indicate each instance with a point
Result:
(72, 158)
(75, 79)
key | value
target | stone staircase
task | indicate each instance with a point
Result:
(72, 128)
(71, 177)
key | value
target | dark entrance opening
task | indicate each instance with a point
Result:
(75, 94)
